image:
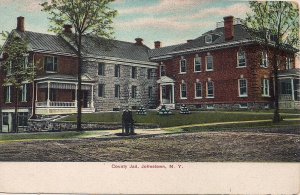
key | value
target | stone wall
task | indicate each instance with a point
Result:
(233, 106)
(109, 102)
(46, 125)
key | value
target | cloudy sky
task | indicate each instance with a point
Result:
(169, 21)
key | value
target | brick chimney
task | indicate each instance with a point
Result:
(20, 24)
(139, 41)
(157, 44)
(67, 28)
(228, 28)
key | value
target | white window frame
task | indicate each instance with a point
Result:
(199, 64)
(213, 88)
(197, 84)
(288, 63)
(242, 106)
(239, 64)
(264, 59)
(53, 64)
(265, 88)
(180, 66)
(239, 87)
(8, 94)
(24, 93)
(208, 38)
(181, 90)
(212, 62)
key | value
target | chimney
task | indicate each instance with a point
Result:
(228, 28)
(20, 24)
(157, 44)
(67, 28)
(139, 41)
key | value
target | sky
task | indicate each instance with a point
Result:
(169, 21)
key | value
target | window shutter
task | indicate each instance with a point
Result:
(45, 63)
(27, 92)
(55, 64)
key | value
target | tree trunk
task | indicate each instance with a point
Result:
(79, 95)
(276, 116)
(16, 121)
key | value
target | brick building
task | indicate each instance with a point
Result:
(222, 69)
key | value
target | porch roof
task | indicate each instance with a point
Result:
(294, 73)
(64, 78)
(165, 80)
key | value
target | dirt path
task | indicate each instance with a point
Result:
(191, 147)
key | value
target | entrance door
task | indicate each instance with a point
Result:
(84, 99)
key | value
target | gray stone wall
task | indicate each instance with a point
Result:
(109, 101)
(234, 106)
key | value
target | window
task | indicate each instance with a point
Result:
(162, 70)
(264, 59)
(133, 91)
(133, 72)
(9, 68)
(8, 94)
(101, 69)
(243, 105)
(25, 65)
(243, 91)
(197, 64)
(150, 73)
(24, 92)
(183, 91)
(5, 118)
(286, 87)
(117, 70)
(198, 90)
(210, 89)
(117, 91)
(209, 63)
(101, 90)
(265, 87)
(241, 56)
(50, 63)
(182, 66)
(23, 118)
(210, 106)
(150, 92)
(288, 63)
(208, 39)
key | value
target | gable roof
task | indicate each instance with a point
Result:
(240, 34)
(97, 46)
(46, 43)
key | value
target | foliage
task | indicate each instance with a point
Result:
(87, 17)
(276, 25)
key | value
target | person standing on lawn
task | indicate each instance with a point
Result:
(127, 122)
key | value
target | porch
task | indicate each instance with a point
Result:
(57, 94)
(289, 89)
(166, 92)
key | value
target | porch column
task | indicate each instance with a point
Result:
(76, 87)
(48, 98)
(92, 97)
(292, 87)
(36, 90)
(173, 93)
(160, 94)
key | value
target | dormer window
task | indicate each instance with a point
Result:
(208, 39)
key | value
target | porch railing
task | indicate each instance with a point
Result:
(56, 104)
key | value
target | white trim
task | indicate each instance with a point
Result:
(266, 85)
(13, 110)
(264, 57)
(239, 88)
(195, 87)
(181, 91)
(238, 61)
(195, 64)
(212, 60)
(207, 90)
(180, 71)
(53, 52)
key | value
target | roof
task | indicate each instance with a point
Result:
(218, 37)
(291, 72)
(97, 46)
(63, 77)
(46, 42)
(165, 79)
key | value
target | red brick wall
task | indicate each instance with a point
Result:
(225, 75)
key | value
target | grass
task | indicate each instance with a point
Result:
(46, 136)
(178, 119)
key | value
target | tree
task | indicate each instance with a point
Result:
(280, 21)
(18, 69)
(87, 17)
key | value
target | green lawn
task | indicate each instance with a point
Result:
(179, 119)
